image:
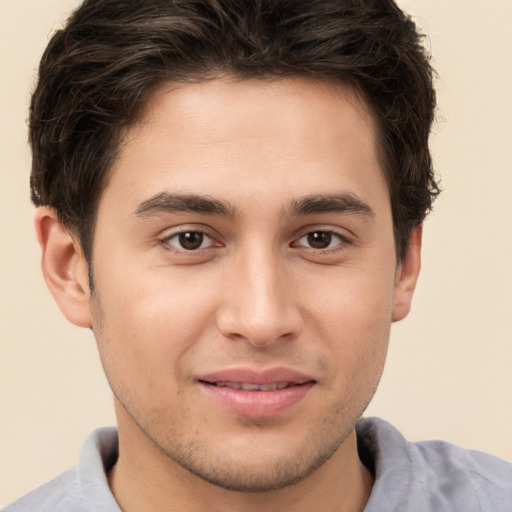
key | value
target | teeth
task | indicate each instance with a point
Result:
(252, 387)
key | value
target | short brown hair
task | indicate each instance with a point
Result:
(100, 69)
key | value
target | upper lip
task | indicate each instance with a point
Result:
(256, 376)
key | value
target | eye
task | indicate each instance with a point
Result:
(321, 240)
(189, 241)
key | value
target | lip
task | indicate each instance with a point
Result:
(257, 403)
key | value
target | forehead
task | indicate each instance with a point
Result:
(299, 105)
(294, 137)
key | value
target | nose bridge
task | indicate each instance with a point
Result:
(259, 304)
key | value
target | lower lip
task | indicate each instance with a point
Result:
(258, 404)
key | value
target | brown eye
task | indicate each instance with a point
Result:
(191, 240)
(319, 239)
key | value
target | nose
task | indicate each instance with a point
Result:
(259, 300)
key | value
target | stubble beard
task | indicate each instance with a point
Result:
(242, 472)
(229, 469)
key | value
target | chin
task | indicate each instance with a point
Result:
(264, 476)
(255, 464)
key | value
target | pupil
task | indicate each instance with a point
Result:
(319, 239)
(191, 240)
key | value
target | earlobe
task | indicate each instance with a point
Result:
(64, 267)
(407, 276)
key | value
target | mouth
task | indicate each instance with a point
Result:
(247, 386)
(257, 394)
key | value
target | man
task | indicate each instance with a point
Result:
(231, 197)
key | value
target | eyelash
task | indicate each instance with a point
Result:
(166, 242)
(339, 246)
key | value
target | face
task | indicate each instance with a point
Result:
(245, 277)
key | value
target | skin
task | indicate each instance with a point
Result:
(256, 293)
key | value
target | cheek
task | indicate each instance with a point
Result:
(146, 326)
(352, 316)
(353, 299)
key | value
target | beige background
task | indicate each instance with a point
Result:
(449, 373)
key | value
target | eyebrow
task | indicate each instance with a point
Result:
(166, 202)
(331, 203)
(314, 204)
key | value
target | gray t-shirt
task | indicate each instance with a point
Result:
(431, 476)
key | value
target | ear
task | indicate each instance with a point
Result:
(64, 267)
(407, 276)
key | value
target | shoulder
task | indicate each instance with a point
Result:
(60, 494)
(83, 488)
(433, 475)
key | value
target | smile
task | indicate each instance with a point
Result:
(257, 394)
(246, 386)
